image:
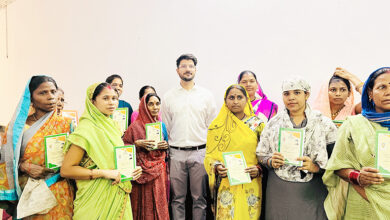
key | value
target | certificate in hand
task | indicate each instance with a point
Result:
(54, 154)
(338, 123)
(291, 145)
(71, 114)
(154, 132)
(236, 164)
(125, 161)
(382, 157)
(120, 115)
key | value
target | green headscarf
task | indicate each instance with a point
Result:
(97, 134)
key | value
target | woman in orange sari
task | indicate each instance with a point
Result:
(23, 150)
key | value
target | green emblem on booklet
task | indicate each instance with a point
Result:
(154, 132)
(236, 164)
(54, 154)
(338, 123)
(291, 145)
(125, 161)
(120, 115)
(382, 151)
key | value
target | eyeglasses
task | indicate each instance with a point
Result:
(185, 66)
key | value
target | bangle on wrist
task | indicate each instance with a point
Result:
(270, 162)
(354, 177)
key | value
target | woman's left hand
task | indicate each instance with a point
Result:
(137, 172)
(163, 145)
(308, 165)
(253, 171)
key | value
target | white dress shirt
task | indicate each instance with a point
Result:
(187, 115)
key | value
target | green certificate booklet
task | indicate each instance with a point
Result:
(125, 161)
(54, 154)
(382, 157)
(338, 123)
(236, 164)
(291, 145)
(154, 132)
(120, 115)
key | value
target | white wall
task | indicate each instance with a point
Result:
(81, 42)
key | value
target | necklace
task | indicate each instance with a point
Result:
(243, 117)
(337, 112)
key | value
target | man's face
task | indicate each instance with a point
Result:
(186, 70)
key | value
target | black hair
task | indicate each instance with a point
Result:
(186, 57)
(2, 128)
(246, 72)
(36, 81)
(375, 75)
(112, 77)
(239, 87)
(150, 95)
(338, 78)
(143, 89)
(99, 89)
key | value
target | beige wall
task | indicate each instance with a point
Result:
(81, 42)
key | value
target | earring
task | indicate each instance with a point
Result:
(369, 98)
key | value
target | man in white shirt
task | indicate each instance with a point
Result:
(187, 111)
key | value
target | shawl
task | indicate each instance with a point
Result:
(152, 162)
(264, 105)
(368, 107)
(322, 104)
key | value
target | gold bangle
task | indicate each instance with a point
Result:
(359, 86)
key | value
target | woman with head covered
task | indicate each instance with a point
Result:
(296, 192)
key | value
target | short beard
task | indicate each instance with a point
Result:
(186, 79)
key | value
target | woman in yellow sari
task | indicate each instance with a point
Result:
(90, 160)
(23, 151)
(236, 128)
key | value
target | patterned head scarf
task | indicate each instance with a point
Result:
(295, 83)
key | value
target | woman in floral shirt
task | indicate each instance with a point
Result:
(236, 128)
(296, 192)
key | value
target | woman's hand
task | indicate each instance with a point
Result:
(147, 144)
(253, 171)
(370, 176)
(343, 73)
(35, 171)
(114, 175)
(221, 170)
(277, 160)
(308, 165)
(163, 145)
(137, 172)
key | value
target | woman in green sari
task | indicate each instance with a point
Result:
(90, 160)
(367, 195)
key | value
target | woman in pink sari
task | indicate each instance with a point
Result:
(262, 107)
(335, 99)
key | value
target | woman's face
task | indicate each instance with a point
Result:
(106, 101)
(60, 101)
(118, 85)
(295, 100)
(236, 101)
(380, 93)
(338, 92)
(249, 82)
(153, 106)
(44, 98)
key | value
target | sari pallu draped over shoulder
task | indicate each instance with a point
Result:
(28, 145)
(355, 148)
(149, 194)
(97, 135)
(226, 134)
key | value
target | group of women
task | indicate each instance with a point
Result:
(337, 179)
